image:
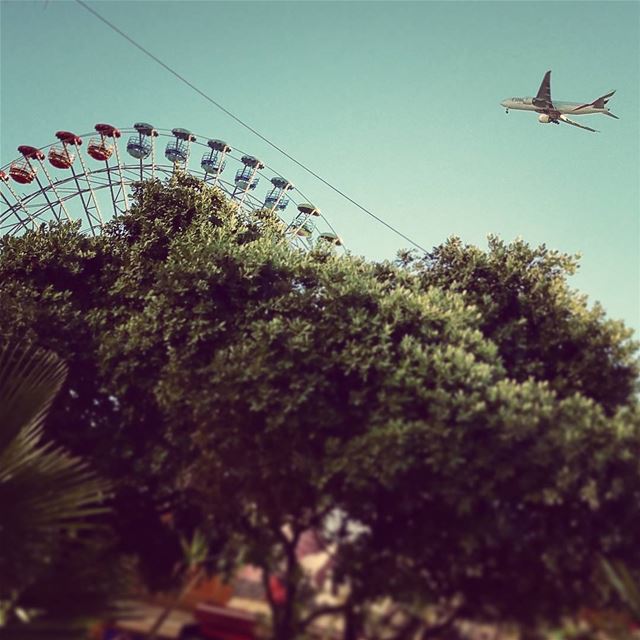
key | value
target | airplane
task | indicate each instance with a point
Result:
(556, 112)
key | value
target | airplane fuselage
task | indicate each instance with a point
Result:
(558, 111)
(526, 104)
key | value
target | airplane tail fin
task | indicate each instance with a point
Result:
(608, 113)
(598, 103)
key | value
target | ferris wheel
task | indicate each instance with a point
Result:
(96, 187)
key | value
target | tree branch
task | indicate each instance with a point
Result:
(322, 611)
(442, 626)
(407, 630)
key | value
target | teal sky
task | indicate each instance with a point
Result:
(396, 103)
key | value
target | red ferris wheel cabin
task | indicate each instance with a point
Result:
(22, 171)
(100, 148)
(61, 157)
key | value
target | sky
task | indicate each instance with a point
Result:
(395, 103)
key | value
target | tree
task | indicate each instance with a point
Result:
(543, 328)
(53, 577)
(268, 392)
(59, 289)
(361, 386)
(392, 409)
(512, 511)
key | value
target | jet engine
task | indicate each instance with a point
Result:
(544, 118)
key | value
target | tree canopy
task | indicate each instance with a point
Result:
(460, 429)
(543, 329)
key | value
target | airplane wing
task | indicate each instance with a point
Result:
(543, 97)
(564, 118)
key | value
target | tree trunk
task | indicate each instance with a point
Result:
(352, 624)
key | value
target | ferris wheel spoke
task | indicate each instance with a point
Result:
(12, 214)
(114, 190)
(132, 173)
(119, 191)
(12, 229)
(91, 206)
(56, 212)
(41, 208)
(153, 156)
(99, 178)
(13, 209)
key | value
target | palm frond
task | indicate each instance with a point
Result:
(29, 381)
(623, 582)
(49, 575)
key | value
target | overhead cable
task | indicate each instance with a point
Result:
(182, 79)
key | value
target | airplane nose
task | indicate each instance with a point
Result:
(503, 103)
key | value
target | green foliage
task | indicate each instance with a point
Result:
(513, 508)
(460, 429)
(543, 329)
(61, 290)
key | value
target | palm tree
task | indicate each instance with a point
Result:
(52, 549)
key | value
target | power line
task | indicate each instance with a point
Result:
(182, 79)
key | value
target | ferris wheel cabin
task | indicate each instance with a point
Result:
(331, 238)
(22, 171)
(140, 146)
(303, 226)
(303, 229)
(60, 156)
(247, 177)
(276, 199)
(307, 209)
(177, 151)
(213, 162)
(102, 148)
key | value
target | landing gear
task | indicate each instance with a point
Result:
(506, 110)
